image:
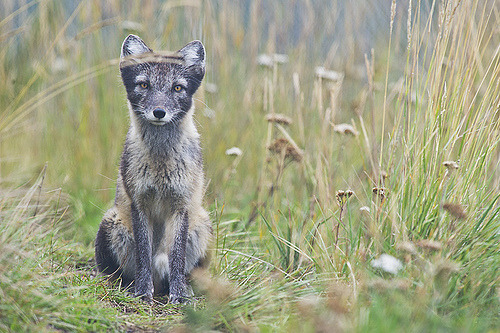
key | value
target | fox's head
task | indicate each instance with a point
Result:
(160, 87)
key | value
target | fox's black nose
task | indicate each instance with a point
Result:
(159, 113)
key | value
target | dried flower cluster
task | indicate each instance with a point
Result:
(381, 193)
(282, 146)
(342, 197)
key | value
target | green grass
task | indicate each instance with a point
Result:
(427, 93)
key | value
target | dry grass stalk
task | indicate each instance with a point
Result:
(342, 197)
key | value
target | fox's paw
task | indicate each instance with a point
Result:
(146, 297)
(179, 299)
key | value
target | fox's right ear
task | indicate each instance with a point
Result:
(133, 45)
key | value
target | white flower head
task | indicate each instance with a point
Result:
(234, 151)
(387, 263)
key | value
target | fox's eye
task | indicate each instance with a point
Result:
(144, 85)
(178, 88)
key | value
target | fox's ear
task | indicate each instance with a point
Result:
(133, 45)
(194, 55)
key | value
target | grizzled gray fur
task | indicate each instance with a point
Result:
(158, 231)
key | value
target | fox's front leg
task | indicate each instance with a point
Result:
(177, 261)
(143, 249)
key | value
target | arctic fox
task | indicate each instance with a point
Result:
(158, 231)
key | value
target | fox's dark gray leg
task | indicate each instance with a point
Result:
(177, 262)
(143, 251)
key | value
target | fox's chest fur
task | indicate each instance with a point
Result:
(161, 183)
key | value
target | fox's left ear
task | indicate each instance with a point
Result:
(133, 45)
(194, 55)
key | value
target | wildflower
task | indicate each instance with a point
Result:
(278, 118)
(456, 210)
(345, 129)
(387, 263)
(234, 151)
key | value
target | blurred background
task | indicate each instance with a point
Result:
(63, 102)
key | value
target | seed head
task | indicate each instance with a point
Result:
(218, 290)
(345, 129)
(342, 197)
(278, 118)
(408, 247)
(234, 151)
(450, 165)
(268, 60)
(381, 192)
(428, 244)
(365, 209)
(325, 74)
(456, 210)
